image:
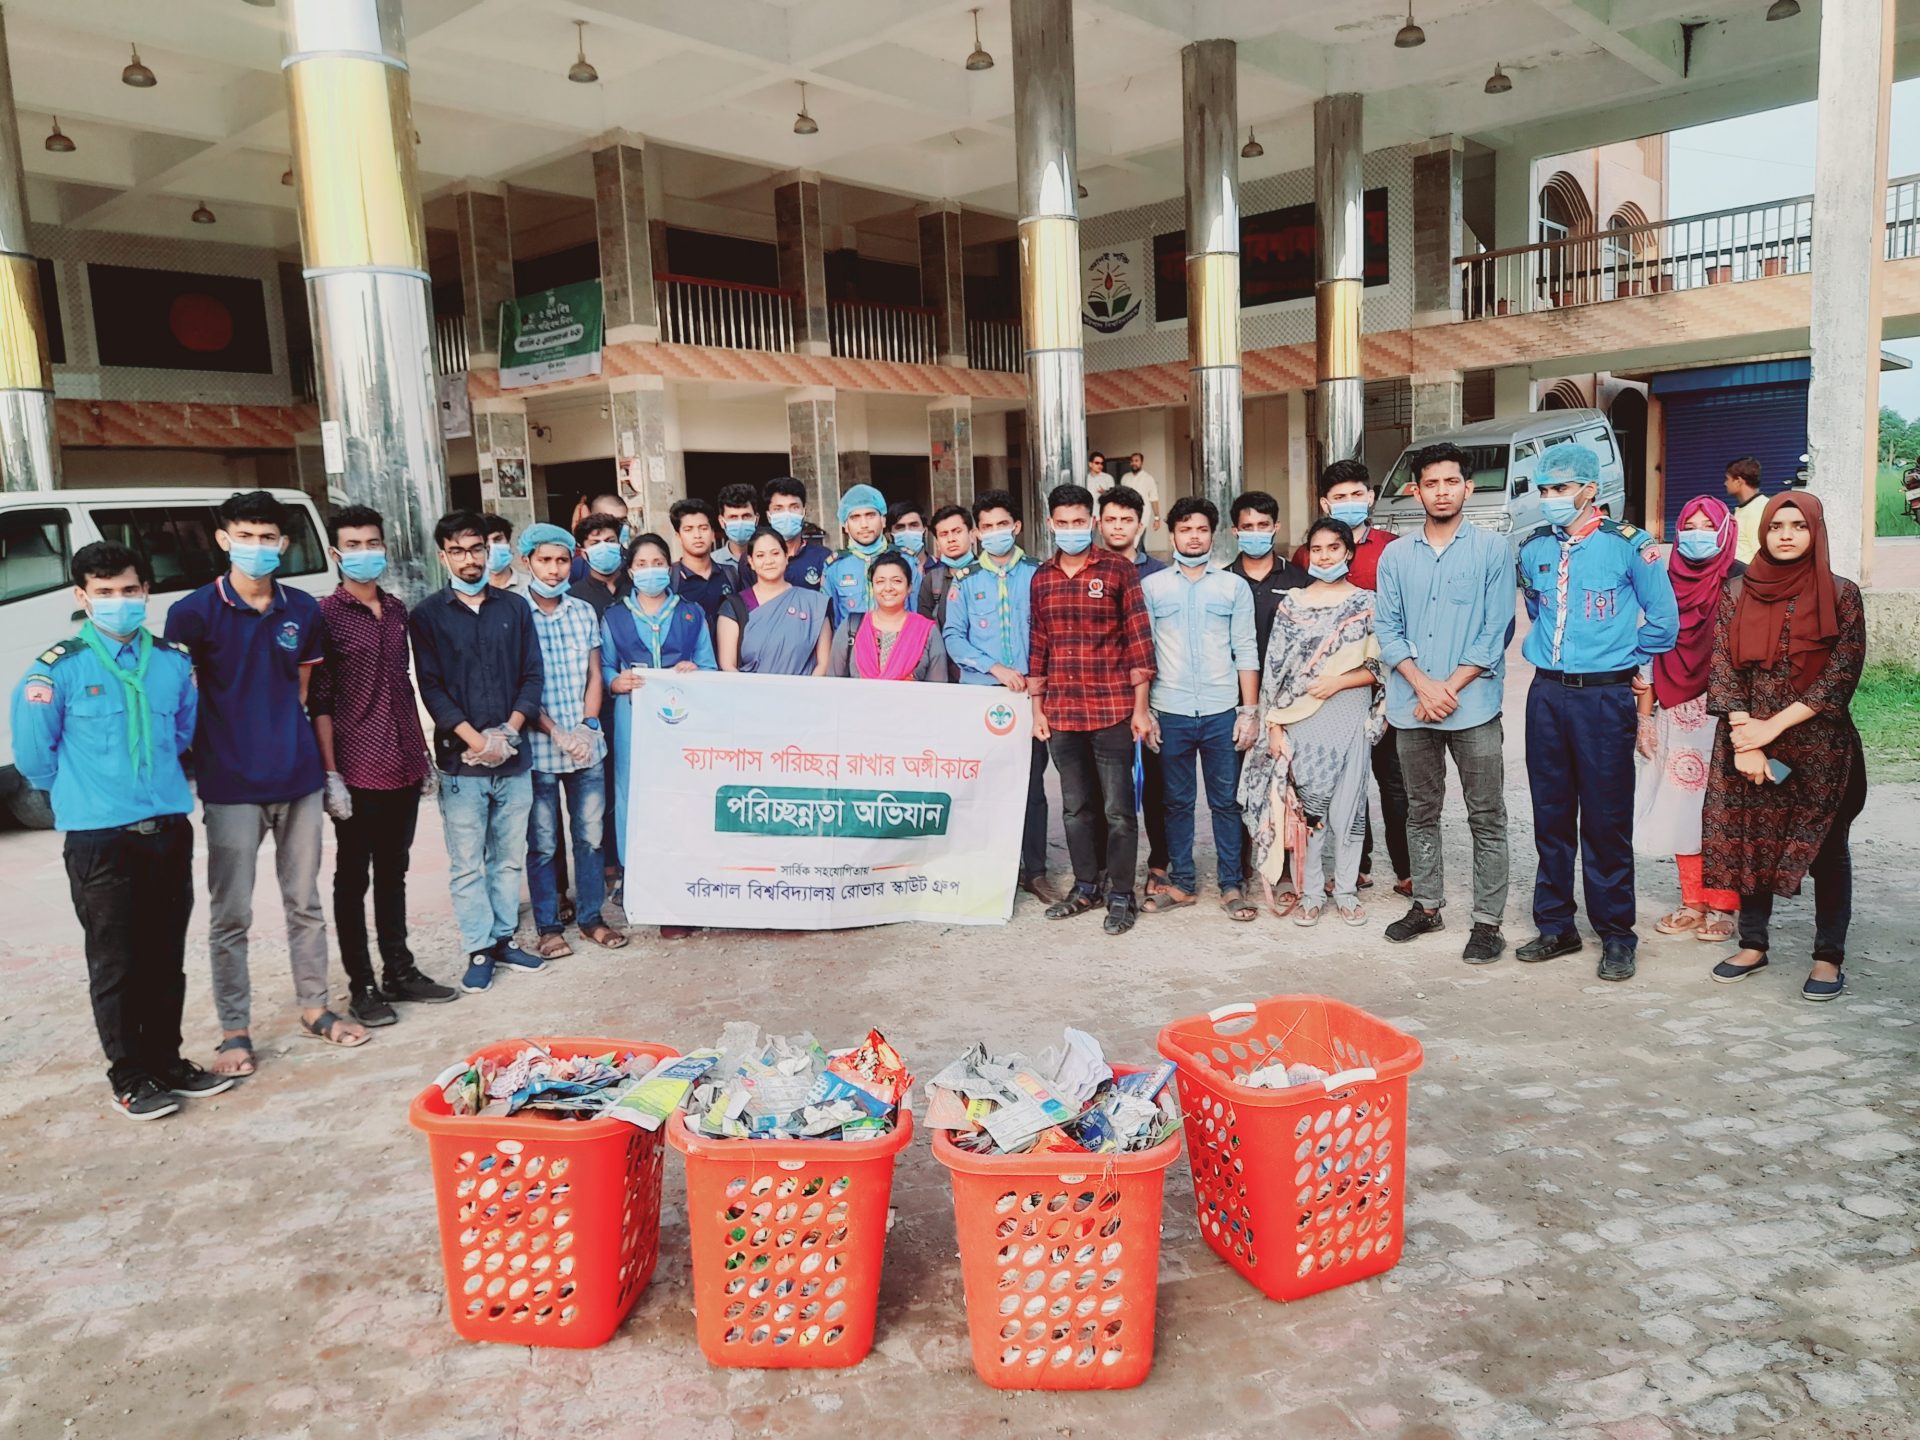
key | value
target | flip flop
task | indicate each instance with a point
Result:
(1157, 880)
(1237, 906)
(552, 947)
(604, 935)
(1167, 897)
(237, 1042)
(1283, 904)
(321, 1028)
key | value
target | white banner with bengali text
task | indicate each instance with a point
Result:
(773, 802)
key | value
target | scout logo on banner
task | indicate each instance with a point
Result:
(555, 335)
(1111, 300)
(774, 802)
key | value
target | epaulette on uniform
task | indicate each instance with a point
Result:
(1632, 534)
(62, 649)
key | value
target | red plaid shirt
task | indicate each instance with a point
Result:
(1091, 641)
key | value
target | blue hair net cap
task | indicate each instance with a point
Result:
(534, 536)
(861, 497)
(1569, 461)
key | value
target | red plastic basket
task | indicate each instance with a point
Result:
(1299, 1190)
(549, 1229)
(788, 1239)
(1061, 1259)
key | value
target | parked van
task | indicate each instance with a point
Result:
(1501, 458)
(173, 528)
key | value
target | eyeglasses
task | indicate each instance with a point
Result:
(466, 552)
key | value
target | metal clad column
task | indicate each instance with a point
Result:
(1210, 90)
(29, 450)
(1340, 264)
(363, 244)
(1047, 175)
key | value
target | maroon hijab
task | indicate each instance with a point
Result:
(1771, 585)
(1680, 675)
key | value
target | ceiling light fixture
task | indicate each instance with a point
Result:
(1410, 34)
(581, 72)
(286, 175)
(138, 75)
(979, 59)
(1499, 82)
(1080, 190)
(202, 215)
(1783, 9)
(1253, 149)
(58, 143)
(803, 123)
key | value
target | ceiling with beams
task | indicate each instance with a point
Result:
(713, 85)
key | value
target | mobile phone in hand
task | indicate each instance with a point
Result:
(1778, 771)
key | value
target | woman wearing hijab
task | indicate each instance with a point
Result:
(770, 627)
(890, 641)
(1676, 732)
(1788, 776)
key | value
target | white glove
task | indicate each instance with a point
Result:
(592, 744)
(338, 799)
(1246, 727)
(1153, 735)
(500, 747)
(430, 786)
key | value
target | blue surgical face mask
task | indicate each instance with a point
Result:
(957, 562)
(365, 566)
(867, 549)
(254, 561)
(549, 592)
(119, 614)
(652, 581)
(1698, 544)
(787, 523)
(499, 556)
(740, 531)
(626, 535)
(1254, 543)
(1352, 513)
(1000, 542)
(1193, 562)
(1074, 542)
(468, 587)
(1327, 572)
(910, 542)
(603, 558)
(1559, 510)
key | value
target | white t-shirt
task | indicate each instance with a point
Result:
(1146, 487)
(1101, 483)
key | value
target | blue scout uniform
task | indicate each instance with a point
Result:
(849, 588)
(1602, 606)
(807, 567)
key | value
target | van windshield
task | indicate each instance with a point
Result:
(1486, 467)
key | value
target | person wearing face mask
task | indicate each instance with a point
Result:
(953, 556)
(255, 646)
(100, 722)
(1256, 529)
(847, 583)
(907, 530)
(739, 518)
(598, 574)
(786, 508)
(602, 507)
(367, 722)
(1676, 732)
(1602, 607)
(1122, 515)
(501, 573)
(1206, 681)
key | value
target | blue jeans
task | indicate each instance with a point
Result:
(1208, 739)
(485, 821)
(586, 808)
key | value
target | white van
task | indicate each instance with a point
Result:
(1501, 458)
(173, 528)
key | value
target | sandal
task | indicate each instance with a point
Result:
(552, 947)
(566, 910)
(1237, 906)
(1354, 914)
(1284, 904)
(1679, 922)
(322, 1026)
(604, 935)
(1077, 902)
(1168, 897)
(235, 1042)
(1157, 880)
(1308, 914)
(1716, 928)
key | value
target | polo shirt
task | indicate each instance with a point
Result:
(253, 744)
(709, 591)
(1364, 569)
(808, 567)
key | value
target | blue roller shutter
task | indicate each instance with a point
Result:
(1707, 424)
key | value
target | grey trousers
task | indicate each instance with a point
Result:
(1476, 755)
(234, 834)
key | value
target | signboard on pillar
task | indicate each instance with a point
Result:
(555, 335)
(1113, 289)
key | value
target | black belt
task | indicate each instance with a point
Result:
(1590, 679)
(139, 827)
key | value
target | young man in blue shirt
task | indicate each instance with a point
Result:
(1443, 617)
(807, 560)
(255, 644)
(1602, 607)
(863, 521)
(100, 721)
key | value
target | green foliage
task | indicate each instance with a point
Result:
(1886, 708)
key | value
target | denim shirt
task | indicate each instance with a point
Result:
(1443, 609)
(1202, 638)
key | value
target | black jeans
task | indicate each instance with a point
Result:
(1153, 807)
(1393, 810)
(1033, 837)
(1832, 876)
(133, 894)
(1096, 798)
(379, 838)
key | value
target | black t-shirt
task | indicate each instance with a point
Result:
(1284, 576)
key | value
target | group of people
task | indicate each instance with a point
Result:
(1279, 685)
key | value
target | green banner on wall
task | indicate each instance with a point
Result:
(554, 335)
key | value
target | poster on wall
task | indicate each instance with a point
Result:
(555, 335)
(456, 409)
(510, 474)
(1276, 257)
(1112, 289)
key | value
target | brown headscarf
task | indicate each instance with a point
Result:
(1772, 584)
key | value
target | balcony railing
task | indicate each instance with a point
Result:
(450, 344)
(1903, 218)
(995, 345)
(694, 311)
(861, 330)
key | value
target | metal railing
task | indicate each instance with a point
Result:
(995, 345)
(450, 344)
(694, 311)
(1903, 218)
(863, 330)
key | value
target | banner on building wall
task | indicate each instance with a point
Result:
(1276, 256)
(555, 335)
(1113, 289)
(774, 802)
(456, 409)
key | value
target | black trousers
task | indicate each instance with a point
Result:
(1393, 810)
(1096, 800)
(133, 894)
(1832, 877)
(378, 839)
(1153, 807)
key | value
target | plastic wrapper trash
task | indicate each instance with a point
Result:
(790, 1088)
(557, 1086)
(1069, 1100)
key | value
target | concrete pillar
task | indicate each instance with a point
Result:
(942, 279)
(1211, 161)
(1297, 500)
(626, 242)
(486, 266)
(649, 468)
(1436, 402)
(506, 469)
(803, 260)
(1046, 178)
(363, 248)
(1439, 231)
(29, 448)
(813, 451)
(1340, 264)
(1849, 223)
(950, 450)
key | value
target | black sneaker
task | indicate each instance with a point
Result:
(1120, 916)
(1549, 947)
(1616, 960)
(183, 1077)
(146, 1099)
(370, 1008)
(1485, 945)
(1416, 922)
(417, 989)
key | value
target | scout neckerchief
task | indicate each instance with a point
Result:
(655, 628)
(1581, 529)
(134, 682)
(1014, 557)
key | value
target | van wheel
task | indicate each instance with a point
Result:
(32, 808)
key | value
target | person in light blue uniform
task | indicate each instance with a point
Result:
(1602, 607)
(849, 586)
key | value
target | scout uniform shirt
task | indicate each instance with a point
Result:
(1586, 591)
(849, 587)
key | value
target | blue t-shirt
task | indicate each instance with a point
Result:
(253, 744)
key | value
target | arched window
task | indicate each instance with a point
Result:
(1565, 215)
(1563, 395)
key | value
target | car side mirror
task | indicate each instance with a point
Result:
(1521, 484)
